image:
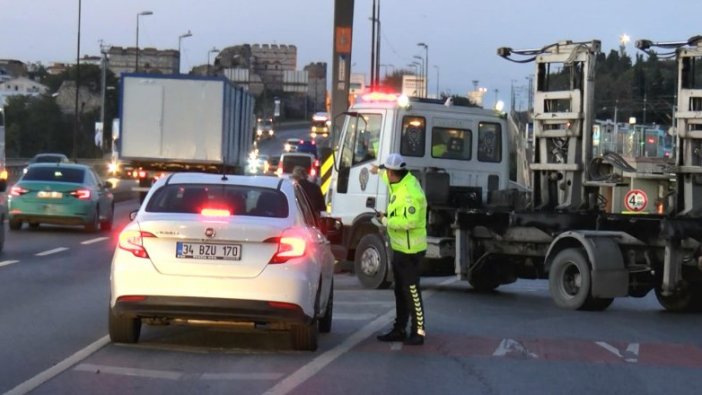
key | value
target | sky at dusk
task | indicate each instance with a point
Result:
(462, 35)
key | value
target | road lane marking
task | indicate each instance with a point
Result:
(5, 263)
(509, 347)
(59, 368)
(631, 354)
(99, 239)
(301, 375)
(396, 346)
(49, 252)
(133, 372)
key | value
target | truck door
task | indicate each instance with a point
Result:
(358, 151)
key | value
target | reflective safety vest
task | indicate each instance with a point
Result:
(406, 215)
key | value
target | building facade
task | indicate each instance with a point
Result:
(151, 60)
(20, 86)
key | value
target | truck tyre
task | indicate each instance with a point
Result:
(482, 281)
(686, 299)
(325, 323)
(304, 336)
(371, 262)
(570, 282)
(123, 329)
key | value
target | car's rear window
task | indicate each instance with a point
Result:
(238, 199)
(60, 174)
(48, 159)
(290, 161)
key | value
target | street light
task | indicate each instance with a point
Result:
(213, 50)
(426, 64)
(76, 118)
(422, 74)
(180, 38)
(436, 66)
(136, 68)
(417, 90)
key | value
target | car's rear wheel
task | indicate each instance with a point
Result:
(15, 224)
(107, 224)
(94, 223)
(325, 323)
(124, 329)
(305, 336)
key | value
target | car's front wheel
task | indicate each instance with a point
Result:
(124, 329)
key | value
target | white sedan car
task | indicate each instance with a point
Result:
(213, 249)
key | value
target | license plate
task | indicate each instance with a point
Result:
(49, 194)
(220, 252)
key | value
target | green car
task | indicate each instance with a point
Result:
(61, 194)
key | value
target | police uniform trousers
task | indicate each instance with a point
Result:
(408, 298)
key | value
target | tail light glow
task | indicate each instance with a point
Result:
(142, 174)
(290, 245)
(81, 194)
(17, 191)
(133, 241)
(215, 212)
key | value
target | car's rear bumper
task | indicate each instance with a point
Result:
(215, 309)
(50, 219)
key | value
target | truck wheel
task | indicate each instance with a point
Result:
(371, 262)
(15, 224)
(684, 300)
(123, 329)
(483, 281)
(570, 282)
(304, 336)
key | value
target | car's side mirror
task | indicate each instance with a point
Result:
(133, 215)
(332, 228)
(3, 185)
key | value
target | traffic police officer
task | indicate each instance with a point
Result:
(405, 220)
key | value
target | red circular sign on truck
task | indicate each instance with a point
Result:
(635, 200)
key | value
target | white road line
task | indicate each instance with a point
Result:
(49, 252)
(116, 370)
(5, 263)
(57, 369)
(395, 346)
(298, 377)
(511, 346)
(96, 240)
(631, 354)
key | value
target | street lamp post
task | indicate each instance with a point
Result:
(417, 89)
(213, 50)
(422, 75)
(180, 38)
(426, 65)
(136, 66)
(436, 66)
(76, 119)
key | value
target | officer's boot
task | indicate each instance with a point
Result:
(416, 337)
(396, 334)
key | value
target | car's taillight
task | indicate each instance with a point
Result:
(142, 174)
(133, 241)
(81, 194)
(17, 191)
(290, 245)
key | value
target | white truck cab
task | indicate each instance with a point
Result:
(458, 153)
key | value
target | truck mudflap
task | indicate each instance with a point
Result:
(610, 278)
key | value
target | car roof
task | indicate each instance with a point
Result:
(63, 165)
(209, 178)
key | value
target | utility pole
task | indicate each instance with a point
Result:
(372, 65)
(103, 88)
(377, 47)
(341, 62)
(76, 119)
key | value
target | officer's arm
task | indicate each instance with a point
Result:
(406, 216)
